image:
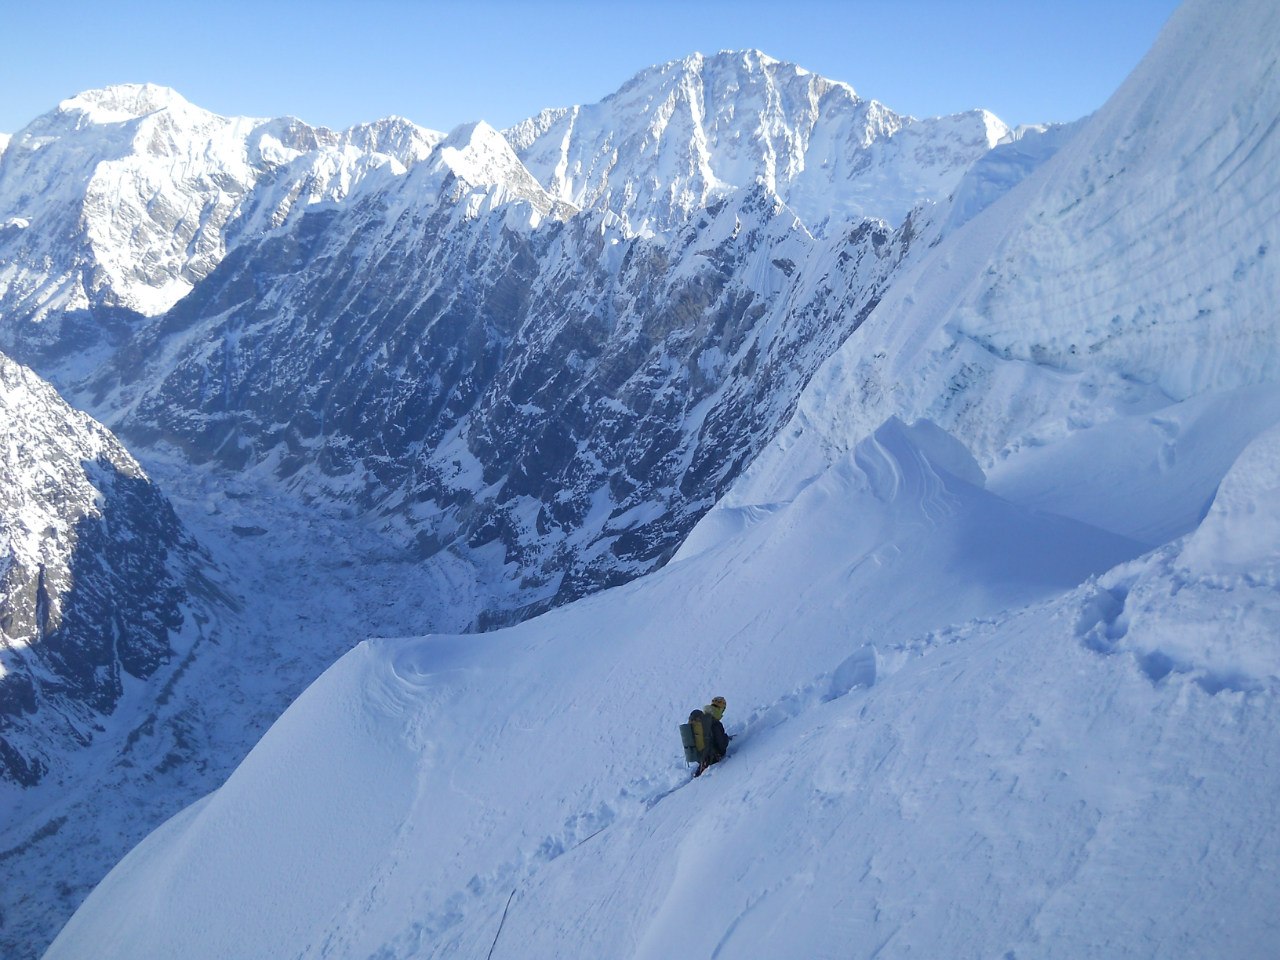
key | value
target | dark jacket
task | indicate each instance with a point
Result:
(719, 740)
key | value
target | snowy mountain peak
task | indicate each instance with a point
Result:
(134, 194)
(477, 153)
(124, 101)
(475, 136)
(750, 65)
(481, 157)
(680, 135)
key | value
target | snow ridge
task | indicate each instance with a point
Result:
(395, 709)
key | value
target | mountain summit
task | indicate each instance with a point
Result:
(678, 135)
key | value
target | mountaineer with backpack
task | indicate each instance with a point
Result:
(705, 741)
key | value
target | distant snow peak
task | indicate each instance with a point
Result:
(680, 135)
(124, 101)
(138, 195)
(476, 147)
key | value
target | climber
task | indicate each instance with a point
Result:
(710, 742)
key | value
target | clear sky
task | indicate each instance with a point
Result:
(445, 62)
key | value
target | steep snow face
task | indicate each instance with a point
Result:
(369, 791)
(93, 571)
(679, 135)
(121, 199)
(1137, 267)
(920, 700)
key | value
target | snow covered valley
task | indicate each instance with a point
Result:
(994, 597)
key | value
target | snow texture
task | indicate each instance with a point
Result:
(1136, 267)
(996, 616)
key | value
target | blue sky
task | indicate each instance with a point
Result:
(448, 62)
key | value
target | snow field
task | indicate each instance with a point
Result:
(491, 758)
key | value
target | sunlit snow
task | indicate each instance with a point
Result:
(995, 615)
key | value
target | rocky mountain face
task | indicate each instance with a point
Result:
(94, 572)
(559, 403)
(525, 352)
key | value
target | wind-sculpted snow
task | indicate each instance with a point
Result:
(114, 205)
(421, 781)
(680, 135)
(1135, 268)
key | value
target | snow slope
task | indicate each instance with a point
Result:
(1136, 268)
(942, 748)
(419, 781)
(965, 726)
